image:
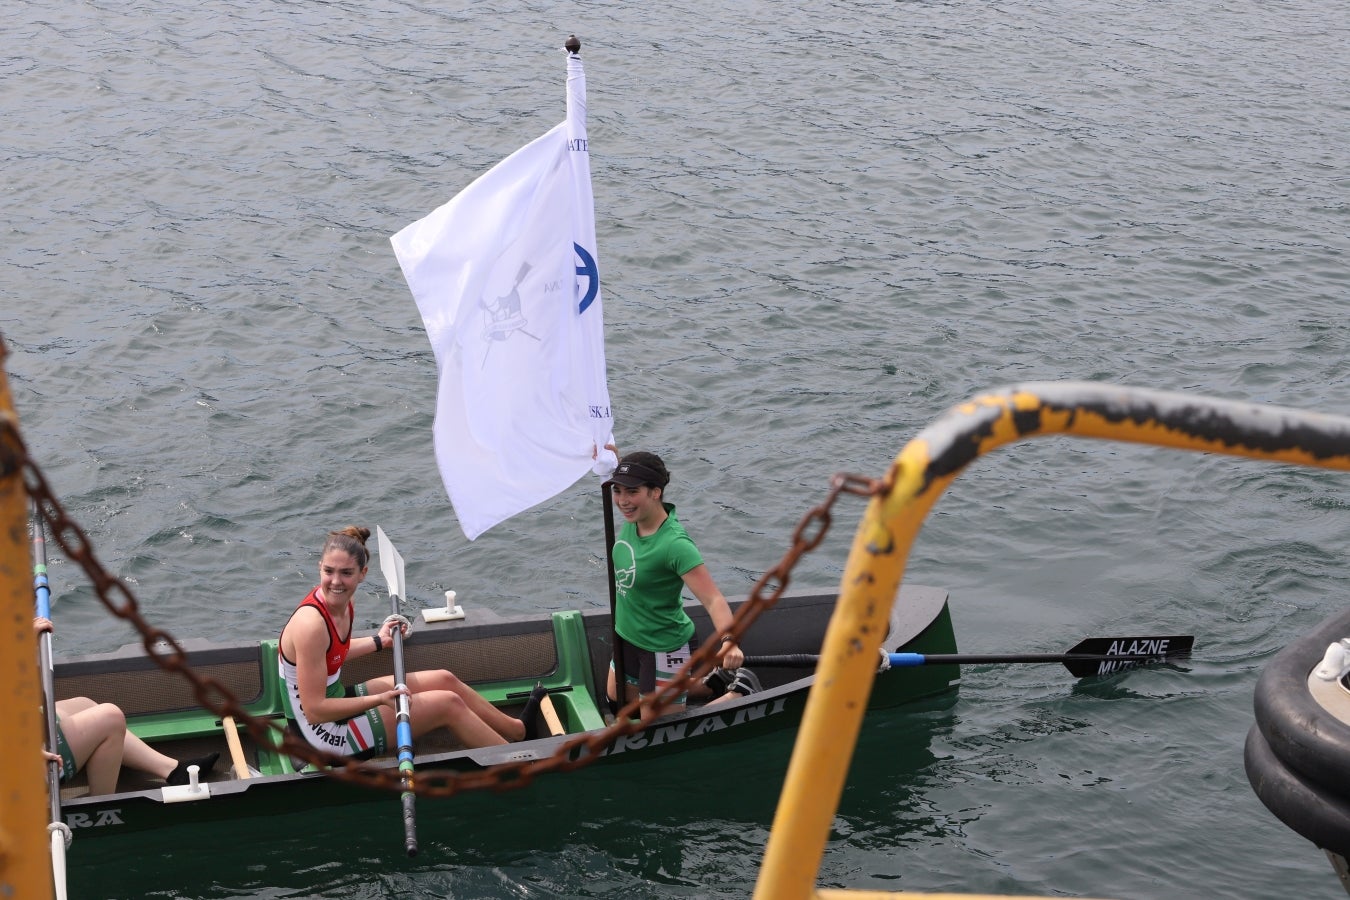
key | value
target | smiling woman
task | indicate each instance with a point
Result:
(357, 720)
(654, 558)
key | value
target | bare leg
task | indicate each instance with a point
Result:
(93, 730)
(442, 709)
(95, 733)
(139, 755)
(631, 694)
(509, 727)
(441, 699)
(449, 709)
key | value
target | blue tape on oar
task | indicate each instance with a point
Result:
(41, 587)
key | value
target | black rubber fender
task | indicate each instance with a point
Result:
(1305, 807)
(1307, 739)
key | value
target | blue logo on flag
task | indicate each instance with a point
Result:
(591, 272)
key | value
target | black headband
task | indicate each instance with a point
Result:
(635, 474)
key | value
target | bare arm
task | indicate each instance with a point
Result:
(700, 581)
(308, 636)
(364, 646)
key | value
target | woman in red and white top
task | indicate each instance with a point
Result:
(359, 720)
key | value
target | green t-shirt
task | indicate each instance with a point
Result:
(649, 577)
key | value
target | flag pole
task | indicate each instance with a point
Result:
(573, 47)
(620, 682)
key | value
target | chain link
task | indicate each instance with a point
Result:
(577, 753)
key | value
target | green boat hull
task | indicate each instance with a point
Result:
(502, 658)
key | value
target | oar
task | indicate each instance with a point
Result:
(43, 606)
(1094, 656)
(391, 566)
(555, 725)
(237, 757)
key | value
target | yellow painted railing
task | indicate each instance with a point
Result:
(25, 862)
(876, 563)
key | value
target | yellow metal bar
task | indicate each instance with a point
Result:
(25, 862)
(838, 698)
(917, 477)
(908, 895)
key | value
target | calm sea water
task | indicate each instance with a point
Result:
(819, 228)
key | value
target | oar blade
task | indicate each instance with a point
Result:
(1107, 655)
(391, 564)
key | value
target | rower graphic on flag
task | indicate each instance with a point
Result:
(506, 279)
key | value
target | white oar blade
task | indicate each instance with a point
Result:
(391, 564)
(59, 864)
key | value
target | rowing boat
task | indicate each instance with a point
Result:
(501, 657)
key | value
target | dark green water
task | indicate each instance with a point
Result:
(819, 229)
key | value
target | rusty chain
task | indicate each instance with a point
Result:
(577, 753)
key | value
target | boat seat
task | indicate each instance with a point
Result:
(160, 704)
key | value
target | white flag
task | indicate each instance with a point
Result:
(506, 279)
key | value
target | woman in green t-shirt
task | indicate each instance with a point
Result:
(654, 560)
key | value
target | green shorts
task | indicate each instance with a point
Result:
(68, 768)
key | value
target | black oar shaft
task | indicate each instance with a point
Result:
(933, 659)
(1080, 664)
(806, 660)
